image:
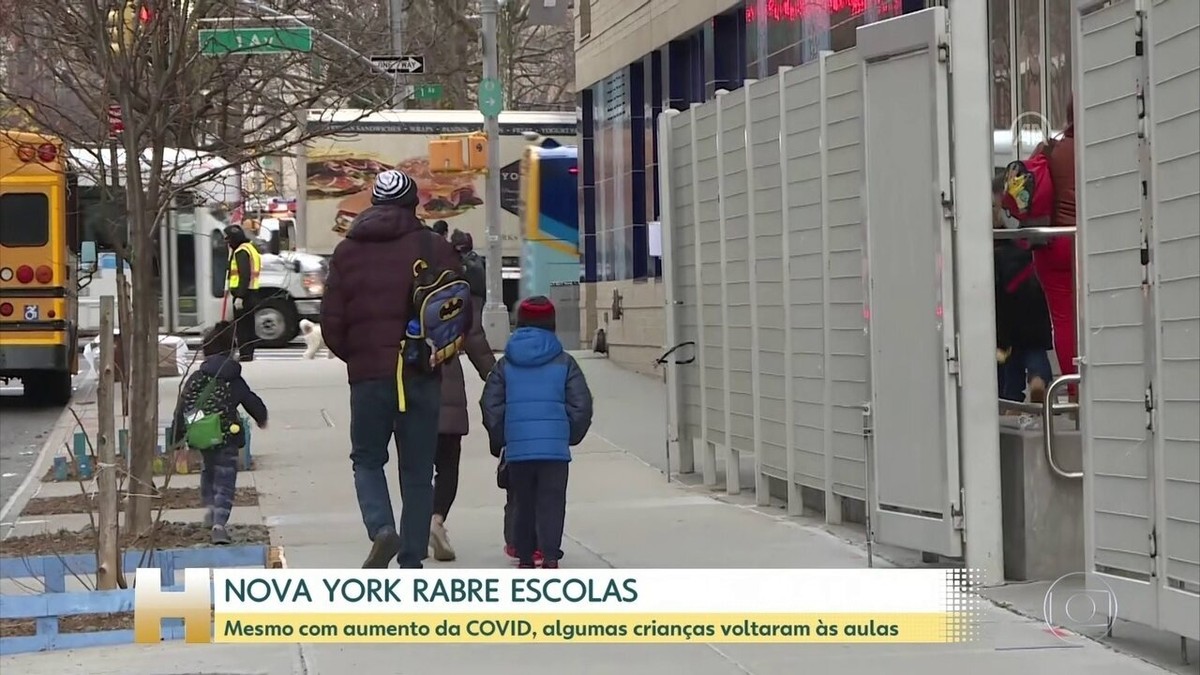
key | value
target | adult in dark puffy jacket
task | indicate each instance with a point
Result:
(365, 310)
(1023, 334)
(536, 405)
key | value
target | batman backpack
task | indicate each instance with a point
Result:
(441, 298)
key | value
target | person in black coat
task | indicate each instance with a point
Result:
(1023, 329)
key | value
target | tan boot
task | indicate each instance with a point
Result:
(439, 541)
(1037, 389)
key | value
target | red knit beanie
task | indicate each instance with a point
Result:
(536, 312)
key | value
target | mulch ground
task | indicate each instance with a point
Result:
(81, 623)
(171, 498)
(166, 535)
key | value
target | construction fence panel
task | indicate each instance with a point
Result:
(765, 176)
(682, 221)
(1118, 447)
(807, 267)
(1174, 113)
(735, 198)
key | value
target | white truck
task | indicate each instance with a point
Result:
(193, 259)
(339, 170)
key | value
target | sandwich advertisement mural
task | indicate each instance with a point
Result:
(340, 170)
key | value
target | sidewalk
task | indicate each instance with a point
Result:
(622, 513)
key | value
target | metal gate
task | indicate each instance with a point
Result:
(1138, 146)
(915, 479)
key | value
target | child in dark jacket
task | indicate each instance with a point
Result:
(536, 405)
(1023, 329)
(218, 480)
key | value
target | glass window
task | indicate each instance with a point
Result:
(24, 219)
(1029, 56)
(1000, 25)
(1058, 61)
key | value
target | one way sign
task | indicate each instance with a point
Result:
(407, 64)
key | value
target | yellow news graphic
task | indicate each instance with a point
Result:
(576, 606)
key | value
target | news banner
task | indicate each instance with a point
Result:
(563, 606)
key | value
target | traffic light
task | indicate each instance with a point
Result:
(458, 153)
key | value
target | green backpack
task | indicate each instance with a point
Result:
(205, 426)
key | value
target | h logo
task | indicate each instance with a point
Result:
(193, 604)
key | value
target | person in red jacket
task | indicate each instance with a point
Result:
(364, 314)
(1055, 260)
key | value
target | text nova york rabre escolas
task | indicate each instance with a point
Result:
(417, 590)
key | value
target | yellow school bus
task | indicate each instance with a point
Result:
(38, 258)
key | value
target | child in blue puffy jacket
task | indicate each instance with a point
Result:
(536, 405)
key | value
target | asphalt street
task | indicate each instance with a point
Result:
(23, 430)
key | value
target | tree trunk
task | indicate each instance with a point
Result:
(143, 408)
(108, 569)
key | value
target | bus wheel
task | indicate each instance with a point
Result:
(49, 389)
(275, 323)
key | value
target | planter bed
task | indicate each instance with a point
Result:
(69, 620)
(170, 498)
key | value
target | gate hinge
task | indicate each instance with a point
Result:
(943, 50)
(1153, 543)
(1139, 30)
(1150, 406)
(952, 363)
(956, 514)
(948, 205)
(866, 419)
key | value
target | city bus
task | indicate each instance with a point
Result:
(38, 259)
(549, 217)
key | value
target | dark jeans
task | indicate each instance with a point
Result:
(445, 480)
(539, 489)
(1013, 374)
(218, 481)
(244, 333)
(374, 419)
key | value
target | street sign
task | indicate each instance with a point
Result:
(510, 187)
(491, 97)
(115, 124)
(405, 64)
(427, 92)
(267, 40)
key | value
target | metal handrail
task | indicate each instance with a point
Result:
(1049, 409)
(1031, 232)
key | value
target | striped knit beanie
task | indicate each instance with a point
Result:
(393, 186)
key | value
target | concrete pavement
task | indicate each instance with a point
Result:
(622, 513)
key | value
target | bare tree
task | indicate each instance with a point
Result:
(236, 95)
(537, 63)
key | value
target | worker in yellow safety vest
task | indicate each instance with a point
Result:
(245, 268)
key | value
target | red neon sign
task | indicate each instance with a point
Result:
(793, 10)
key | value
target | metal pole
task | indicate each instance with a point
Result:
(396, 8)
(972, 159)
(495, 315)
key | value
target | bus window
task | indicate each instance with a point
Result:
(102, 218)
(24, 219)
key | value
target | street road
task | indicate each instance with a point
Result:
(23, 430)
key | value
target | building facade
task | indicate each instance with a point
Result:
(636, 58)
